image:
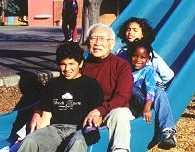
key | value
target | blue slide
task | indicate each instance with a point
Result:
(153, 11)
(174, 20)
(6, 122)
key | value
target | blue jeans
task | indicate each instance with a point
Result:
(161, 107)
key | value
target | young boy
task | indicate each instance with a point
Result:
(65, 102)
(146, 94)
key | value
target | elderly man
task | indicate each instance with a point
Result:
(115, 78)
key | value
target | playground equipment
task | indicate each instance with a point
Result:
(174, 42)
(175, 37)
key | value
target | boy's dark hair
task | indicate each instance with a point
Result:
(148, 32)
(138, 44)
(69, 50)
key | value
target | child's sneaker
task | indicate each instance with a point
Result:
(167, 138)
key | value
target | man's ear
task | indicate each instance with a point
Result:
(112, 43)
(81, 64)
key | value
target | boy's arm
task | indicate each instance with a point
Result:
(39, 120)
(37, 115)
(35, 121)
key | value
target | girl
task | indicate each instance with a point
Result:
(146, 94)
(138, 29)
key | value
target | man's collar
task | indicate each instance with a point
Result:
(91, 58)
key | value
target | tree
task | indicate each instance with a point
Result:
(3, 5)
(91, 12)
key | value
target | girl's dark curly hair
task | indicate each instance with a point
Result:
(148, 32)
(140, 43)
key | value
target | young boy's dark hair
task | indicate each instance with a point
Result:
(138, 44)
(70, 50)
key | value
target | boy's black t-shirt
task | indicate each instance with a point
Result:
(69, 101)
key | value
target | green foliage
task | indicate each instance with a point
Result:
(16, 8)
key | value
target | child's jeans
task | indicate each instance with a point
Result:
(47, 139)
(161, 106)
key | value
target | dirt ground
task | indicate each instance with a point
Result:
(10, 96)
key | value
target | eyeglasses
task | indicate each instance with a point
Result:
(99, 38)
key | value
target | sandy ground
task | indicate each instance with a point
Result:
(11, 96)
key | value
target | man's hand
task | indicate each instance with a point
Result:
(93, 118)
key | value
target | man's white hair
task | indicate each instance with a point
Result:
(111, 33)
